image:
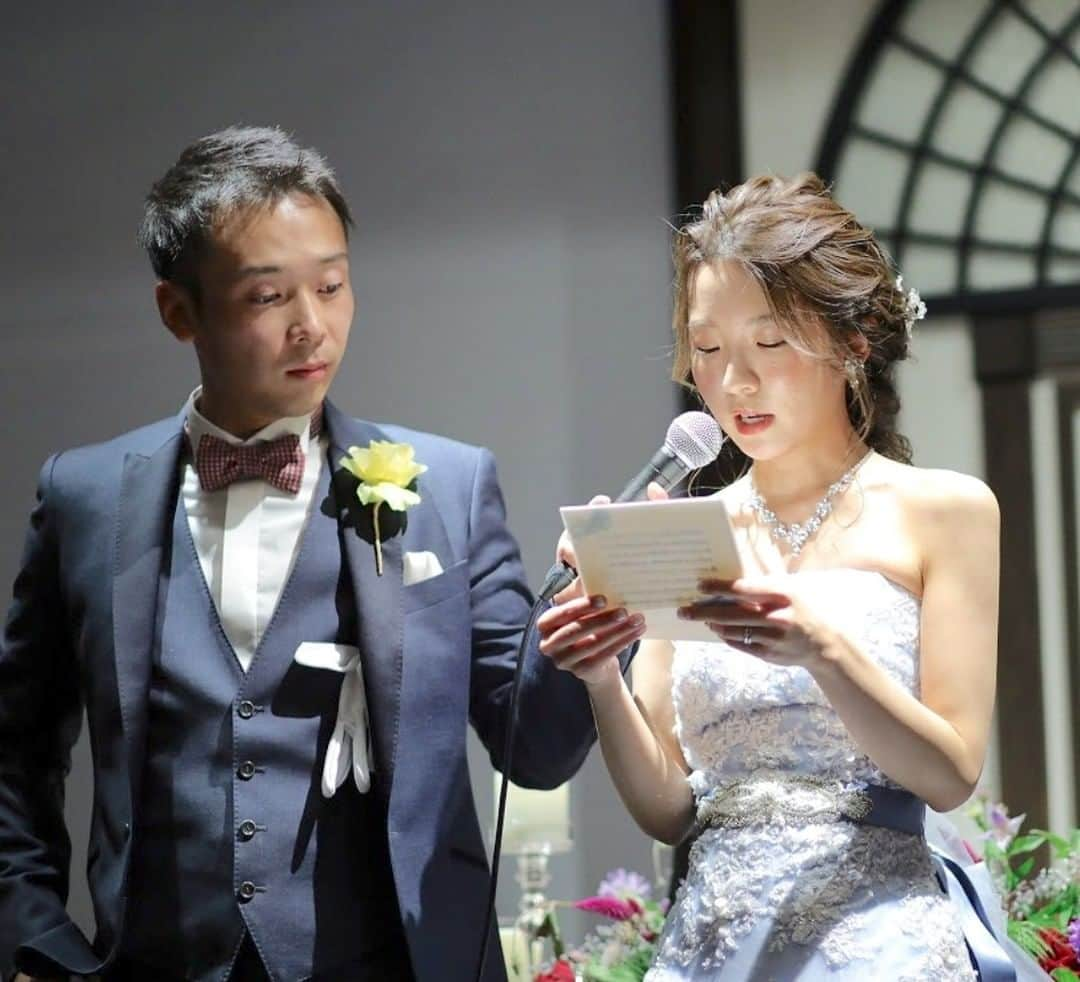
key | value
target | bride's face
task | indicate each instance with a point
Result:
(769, 396)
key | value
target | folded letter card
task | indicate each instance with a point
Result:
(648, 556)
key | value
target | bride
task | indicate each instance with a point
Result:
(851, 679)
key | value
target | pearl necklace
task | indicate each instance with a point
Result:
(797, 534)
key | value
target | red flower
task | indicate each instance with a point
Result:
(561, 971)
(1061, 954)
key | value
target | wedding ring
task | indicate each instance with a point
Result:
(747, 636)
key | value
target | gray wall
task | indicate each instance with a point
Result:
(509, 168)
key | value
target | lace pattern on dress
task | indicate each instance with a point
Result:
(810, 879)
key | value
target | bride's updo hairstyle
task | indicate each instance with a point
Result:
(831, 288)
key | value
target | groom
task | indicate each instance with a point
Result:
(278, 676)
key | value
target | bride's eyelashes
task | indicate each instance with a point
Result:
(768, 345)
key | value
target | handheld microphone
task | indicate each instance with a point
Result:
(693, 440)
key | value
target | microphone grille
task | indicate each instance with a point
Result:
(695, 438)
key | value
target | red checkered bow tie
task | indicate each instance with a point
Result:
(279, 462)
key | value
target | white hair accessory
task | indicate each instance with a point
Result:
(914, 308)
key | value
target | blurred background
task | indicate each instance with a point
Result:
(513, 168)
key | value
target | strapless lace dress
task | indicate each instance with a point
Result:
(791, 894)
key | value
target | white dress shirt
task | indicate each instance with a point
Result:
(247, 535)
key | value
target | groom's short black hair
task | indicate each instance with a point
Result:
(233, 169)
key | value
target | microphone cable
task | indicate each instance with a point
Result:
(553, 583)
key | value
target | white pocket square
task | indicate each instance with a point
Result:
(350, 743)
(419, 566)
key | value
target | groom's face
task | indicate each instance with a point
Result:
(272, 320)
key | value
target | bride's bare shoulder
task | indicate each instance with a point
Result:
(937, 497)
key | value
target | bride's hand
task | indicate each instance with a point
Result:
(763, 616)
(580, 633)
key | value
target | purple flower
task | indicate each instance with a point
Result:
(621, 883)
(1073, 934)
(1000, 827)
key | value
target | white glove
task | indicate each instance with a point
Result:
(350, 743)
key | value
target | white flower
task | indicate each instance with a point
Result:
(613, 953)
(914, 308)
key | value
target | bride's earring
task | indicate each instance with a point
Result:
(852, 371)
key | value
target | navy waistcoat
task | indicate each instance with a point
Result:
(232, 831)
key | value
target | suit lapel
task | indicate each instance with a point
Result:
(148, 490)
(378, 598)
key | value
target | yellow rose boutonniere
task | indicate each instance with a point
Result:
(387, 473)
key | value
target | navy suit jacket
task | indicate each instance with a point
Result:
(437, 655)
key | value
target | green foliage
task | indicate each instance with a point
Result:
(630, 969)
(1026, 935)
(549, 928)
(616, 949)
(1037, 900)
(1060, 911)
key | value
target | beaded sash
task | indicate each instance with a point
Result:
(798, 799)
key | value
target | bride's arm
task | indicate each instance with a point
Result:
(934, 746)
(637, 739)
(636, 732)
